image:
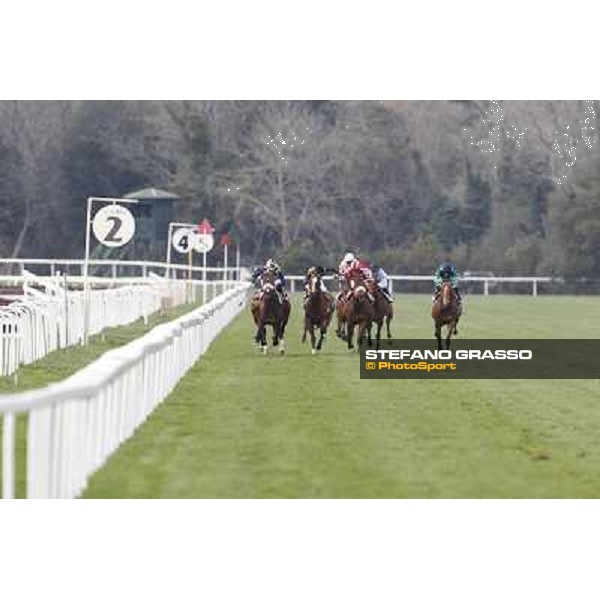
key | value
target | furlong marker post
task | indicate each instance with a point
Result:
(172, 226)
(109, 240)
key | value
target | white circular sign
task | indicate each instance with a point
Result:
(184, 240)
(113, 225)
(204, 242)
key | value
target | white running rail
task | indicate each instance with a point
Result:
(113, 270)
(487, 282)
(75, 425)
(42, 321)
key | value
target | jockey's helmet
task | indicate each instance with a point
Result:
(271, 265)
(446, 268)
(349, 258)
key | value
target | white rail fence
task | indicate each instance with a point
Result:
(121, 272)
(39, 323)
(49, 317)
(113, 271)
(75, 425)
(487, 283)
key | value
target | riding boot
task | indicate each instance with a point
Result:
(387, 295)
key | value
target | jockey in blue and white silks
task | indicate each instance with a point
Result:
(381, 278)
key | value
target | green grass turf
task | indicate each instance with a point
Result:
(60, 364)
(242, 425)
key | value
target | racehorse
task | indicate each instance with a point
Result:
(339, 309)
(383, 310)
(358, 311)
(318, 310)
(445, 312)
(267, 309)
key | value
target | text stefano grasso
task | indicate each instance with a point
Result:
(500, 354)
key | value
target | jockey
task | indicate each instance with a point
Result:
(318, 271)
(351, 266)
(272, 268)
(275, 271)
(312, 272)
(348, 263)
(381, 279)
(446, 272)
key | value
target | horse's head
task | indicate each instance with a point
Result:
(268, 289)
(446, 293)
(360, 292)
(268, 277)
(357, 281)
(314, 283)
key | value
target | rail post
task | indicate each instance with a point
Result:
(8, 456)
(534, 290)
(486, 287)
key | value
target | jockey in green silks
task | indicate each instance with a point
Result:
(446, 272)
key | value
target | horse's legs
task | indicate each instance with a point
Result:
(262, 337)
(340, 325)
(282, 326)
(364, 330)
(259, 334)
(455, 326)
(448, 339)
(450, 329)
(312, 336)
(438, 335)
(350, 333)
(322, 333)
(281, 345)
(378, 334)
(388, 320)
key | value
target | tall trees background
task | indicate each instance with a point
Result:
(512, 187)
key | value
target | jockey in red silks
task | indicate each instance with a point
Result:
(352, 266)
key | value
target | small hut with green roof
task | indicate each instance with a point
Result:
(153, 213)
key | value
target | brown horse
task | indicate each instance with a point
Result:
(445, 312)
(339, 308)
(358, 311)
(383, 311)
(318, 310)
(268, 309)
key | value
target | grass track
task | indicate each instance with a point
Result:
(241, 425)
